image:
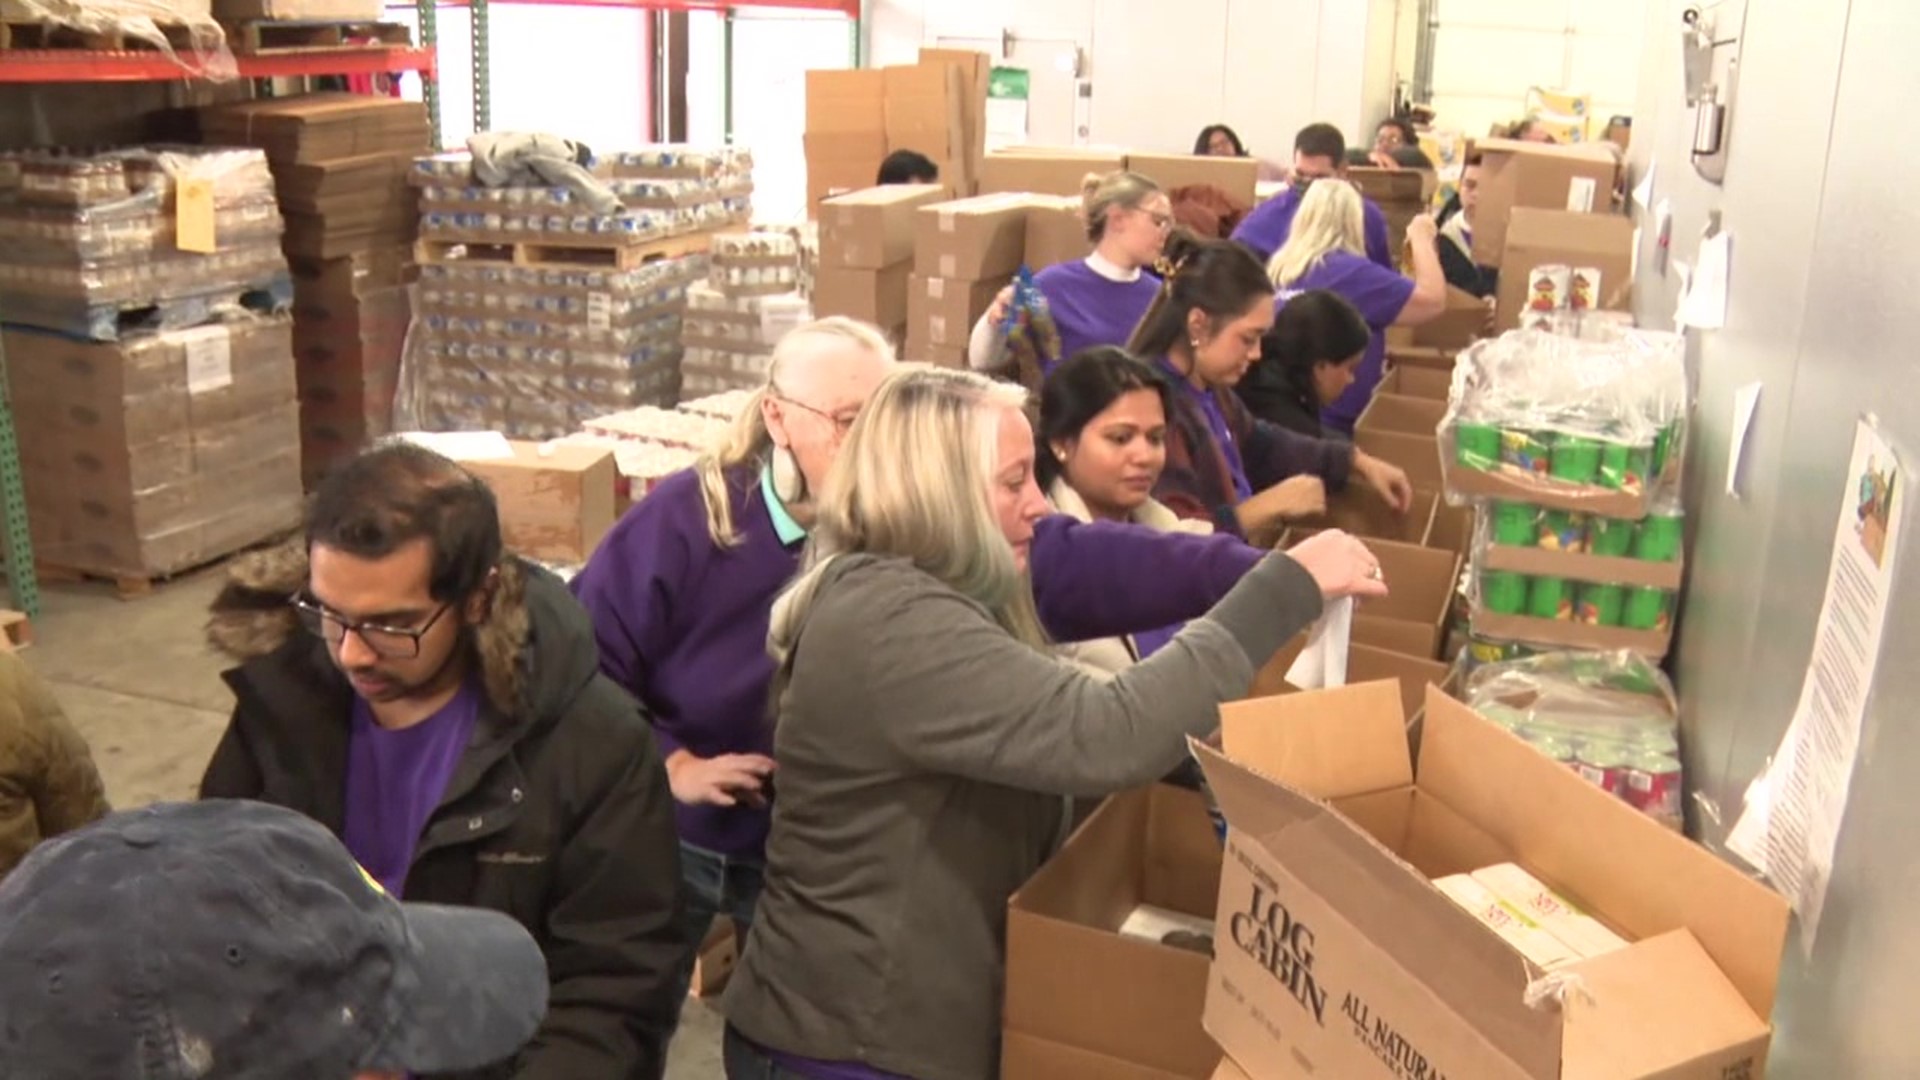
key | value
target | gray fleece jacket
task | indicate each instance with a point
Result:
(923, 752)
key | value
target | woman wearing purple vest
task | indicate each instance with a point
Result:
(681, 588)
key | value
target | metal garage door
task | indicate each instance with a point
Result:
(1486, 53)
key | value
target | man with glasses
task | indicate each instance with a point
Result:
(1319, 152)
(436, 703)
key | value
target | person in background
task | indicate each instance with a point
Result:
(1102, 446)
(1099, 299)
(907, 167)
(1319, 152)
(1307, 360)
(434, 701)
(1325, 251)
(48, 782)
(1243, 475)
(1530, 129)
(1219, 140)
(1396, 145)
(902, 829)
(681, 589)
(1456, 237)
(230, 940)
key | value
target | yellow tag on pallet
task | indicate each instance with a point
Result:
(193, 216)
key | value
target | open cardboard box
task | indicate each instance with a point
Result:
(1084, 1002)
(1410, 622)
(1417, 455)
(1433, 384)
(1421, 356)
(1408, 415)
(1361, 511)
(1578, 567)
(1337, 957)
(1462, 322)
(1380, 649)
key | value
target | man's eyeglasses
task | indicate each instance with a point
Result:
(841, 424)
(386, 642)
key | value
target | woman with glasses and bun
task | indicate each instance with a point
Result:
(681, 589)
(1096, 300)
(926, 734)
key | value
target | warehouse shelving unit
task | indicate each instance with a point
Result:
(20, 66)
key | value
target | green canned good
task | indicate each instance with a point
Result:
(1659, 538)
(1563, 530)
(1663, 447)
(1550, 598)
(1625, 468)
(1600, 605)
(1528, 451)
(1503, 592)
(1514, 524)
(1576, 459)
(1476, 446)
(1647, 609)
(1610, 536)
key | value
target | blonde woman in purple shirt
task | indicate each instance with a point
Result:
(1099, 299)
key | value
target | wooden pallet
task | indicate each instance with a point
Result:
(611, 253)
(131, 585)
(41, 36)
(262, 38)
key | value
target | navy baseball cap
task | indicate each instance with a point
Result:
(223, 940)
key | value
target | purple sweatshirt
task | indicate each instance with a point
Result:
(1265, 230)
(1092, 309)
(682, 624)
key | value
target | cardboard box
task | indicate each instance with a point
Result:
(1422, 357)
(875, 296)
(1417, 455)
(1056, 232)
(976, 239)
(838, 164)
(1237, 177)
(1406, 380)
(1578, 567)
(1229, 1071)
(1408, 415)
(1045, 172)
(1373, 655)
(947, 356)
(846, 102)
(1540, 176)
(1361, 511)
(942, 312)
(1074, 983)
(872, 229)
(309, 128)
(1338, 957)
(1460, 324)
(976, 70)
(1452, 528)
(1536, 238)
(925, 111)
(556, 500)
(1401, 195)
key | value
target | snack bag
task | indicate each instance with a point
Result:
(1030, 345)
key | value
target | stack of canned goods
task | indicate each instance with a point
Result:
(1638, 764)
(1657, 538)
(1580, 460)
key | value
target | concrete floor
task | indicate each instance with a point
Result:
(137, 679)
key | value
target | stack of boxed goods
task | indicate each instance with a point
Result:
(734, 319)
(1549, 208)
(937, 108)
(145, 239)
(964, 252)
(536, 313)
(340, 164)
(650, 443)
(1570, 451)
(866, 254)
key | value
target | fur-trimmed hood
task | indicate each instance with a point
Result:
(536, 648)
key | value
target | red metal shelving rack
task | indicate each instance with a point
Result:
(80, 65)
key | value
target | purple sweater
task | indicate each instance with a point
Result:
(1265, 230)
(1091, 309)
(682, 624)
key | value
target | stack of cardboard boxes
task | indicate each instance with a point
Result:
(937, 107)
(340, 165)
(964, 252)
(867, 254)
(1550, 208)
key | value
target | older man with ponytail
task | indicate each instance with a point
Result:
(681, 589)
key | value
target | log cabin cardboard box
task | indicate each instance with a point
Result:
(1539, 176)
(1336, 955)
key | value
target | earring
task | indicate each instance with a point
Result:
(789, 483)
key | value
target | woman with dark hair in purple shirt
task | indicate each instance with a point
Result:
(1097, 300)
(681, 588)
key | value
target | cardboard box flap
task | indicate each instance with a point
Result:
(1623, 865)
(1577, 151)
(1657, 1005)
(1330, 743)
(1382, 913)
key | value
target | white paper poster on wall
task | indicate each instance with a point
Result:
(1790, 827)
(1009, 94)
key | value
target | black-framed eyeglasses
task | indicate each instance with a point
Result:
(386, 642)
(841, 424)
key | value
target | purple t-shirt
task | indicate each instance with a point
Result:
(1380, 294)
(1091, 309)
(395, 780)
(1265, 230)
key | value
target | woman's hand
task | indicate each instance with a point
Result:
(1389, 480)
(1340, 564)
(1423, 230)
(997, 312)
(725, 780)
(1289, 500)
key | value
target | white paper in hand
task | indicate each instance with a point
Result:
(1322, 665)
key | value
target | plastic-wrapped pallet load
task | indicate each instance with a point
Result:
(736, 318)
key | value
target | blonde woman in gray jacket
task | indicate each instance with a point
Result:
(926, 733)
